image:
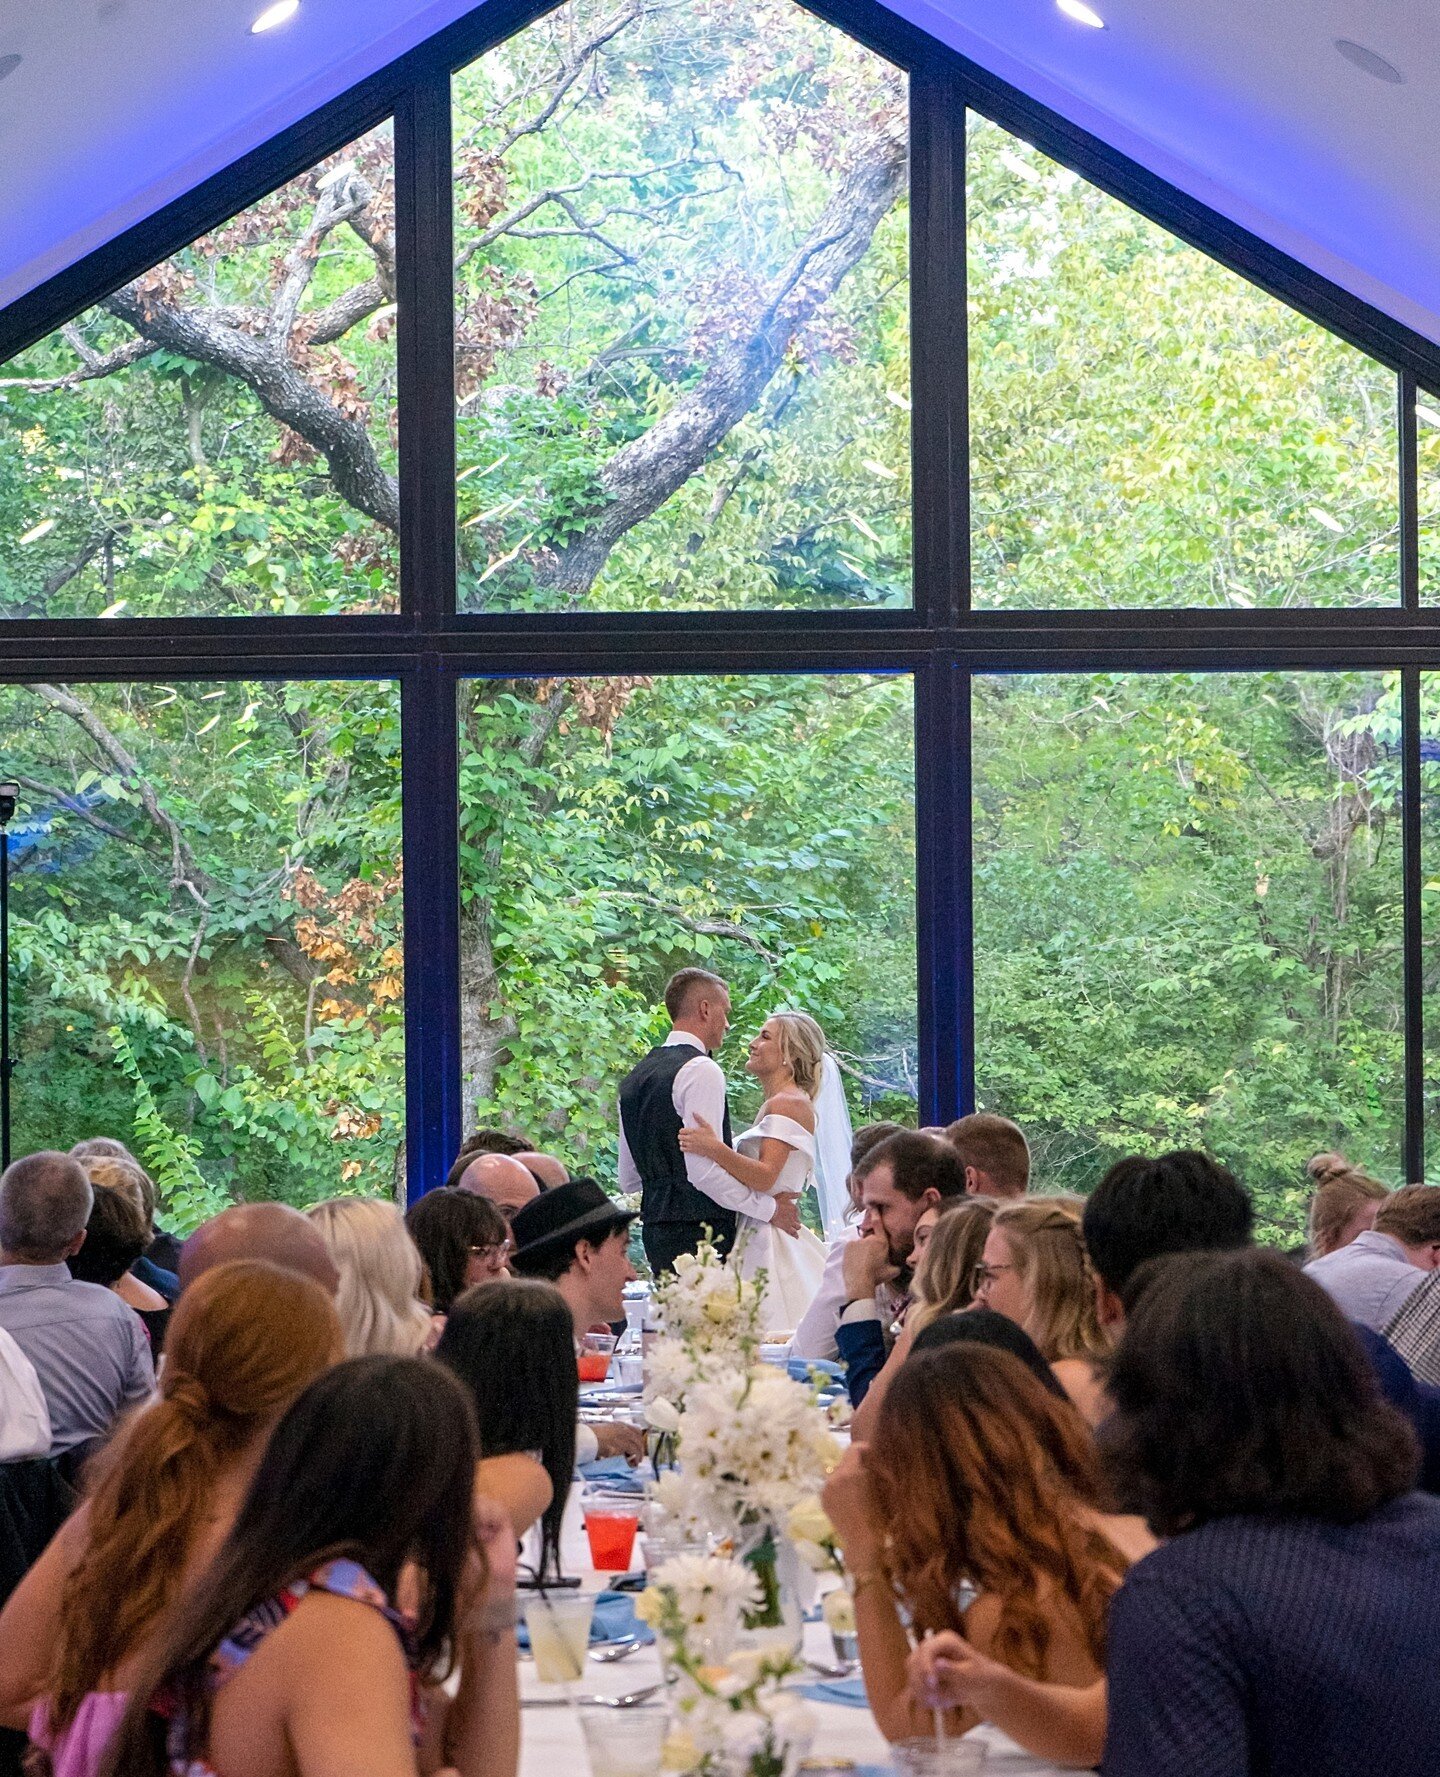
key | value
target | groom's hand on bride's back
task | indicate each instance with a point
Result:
(787, 1214)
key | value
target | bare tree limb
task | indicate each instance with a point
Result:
(185, 871)
(705, 928)
(643, 474)
(281, 390)
(93, 367)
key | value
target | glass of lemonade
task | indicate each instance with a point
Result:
(624, 1742)
(559, 1630)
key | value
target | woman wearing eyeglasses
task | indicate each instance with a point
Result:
(463, 1239)
(1034, 1271)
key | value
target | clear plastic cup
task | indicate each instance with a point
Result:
(624, 1742)
(610, 1525)
(559, 1630)
(954, 1756)
(593, 1358)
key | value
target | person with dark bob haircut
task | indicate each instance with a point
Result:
(1292, 1625)
(463, 1239)
(512, 1344)
(1181, 1202)
(982, 1326)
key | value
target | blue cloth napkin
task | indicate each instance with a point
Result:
(615, 1474)
(849, 1691)
(614, 1619)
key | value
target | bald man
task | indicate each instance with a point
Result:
(270, 1231)
(548, 1171)
(501, 1179)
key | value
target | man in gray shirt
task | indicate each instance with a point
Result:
(89, 1350)
(1373, 1277)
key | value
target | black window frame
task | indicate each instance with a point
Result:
(941, 641)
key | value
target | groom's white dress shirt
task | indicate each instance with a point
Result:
(699, 1091)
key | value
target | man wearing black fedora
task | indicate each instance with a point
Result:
(578, 1238)
(681, 1195)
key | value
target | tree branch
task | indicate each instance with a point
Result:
(705, 928)
(643, 474)
(185, 872)
(281, 390)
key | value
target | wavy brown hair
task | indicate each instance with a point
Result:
(244, 1341)
(1049, 1249)
(1002, 1488)
(945, 1275)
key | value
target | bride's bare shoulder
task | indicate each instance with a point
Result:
(791, 1103)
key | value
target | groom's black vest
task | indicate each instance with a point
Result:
(652, 1129)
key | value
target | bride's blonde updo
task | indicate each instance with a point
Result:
(802, 1049)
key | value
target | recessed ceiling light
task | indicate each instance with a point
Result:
(277, 14)
(8, 65)
(1360, 57)
(1081, 13)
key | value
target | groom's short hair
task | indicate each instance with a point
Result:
(684, 985)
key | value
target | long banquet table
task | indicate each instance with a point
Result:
(846, 1738)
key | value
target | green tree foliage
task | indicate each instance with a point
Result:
(682, 382)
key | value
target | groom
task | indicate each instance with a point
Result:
(682, 1194)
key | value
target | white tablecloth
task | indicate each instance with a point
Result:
(550, 1737)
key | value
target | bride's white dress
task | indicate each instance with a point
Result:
(793, 1266)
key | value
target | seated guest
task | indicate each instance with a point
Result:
(949, 1245)
(487, 1141)
(1373, 1276)
(1344, 1203)
(578, 1238)
(271, 1231)
(898, 1180)
(133, 1181)
(1004, 1540)
(114, 1239)
(163, 1251)
(89, 1350)
(24, 1417)
(1144, 1208)
(815, 1335)
(994, 1153)
(1183, 1202)
(380, 1276)
(1034, 1269)
(982, 1326)
(1291, 1623)
(463, 1240)
(546, 1170)
(503, 1180)
(246, 1340)
(317, 1640)
(512, 1344)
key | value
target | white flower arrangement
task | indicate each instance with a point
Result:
(752, 1446)
(732, 1719)
(813, 1538)
(710, 1322)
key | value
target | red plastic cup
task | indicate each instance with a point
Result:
(611, 1530)
(594, 1365)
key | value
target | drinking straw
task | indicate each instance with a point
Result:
(937, 1712)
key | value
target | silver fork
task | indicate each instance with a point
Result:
(606, 1652)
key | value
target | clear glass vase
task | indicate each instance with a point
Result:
(778, 1622)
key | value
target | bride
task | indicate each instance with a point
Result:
(777, 1155)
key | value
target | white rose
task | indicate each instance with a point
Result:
(662, 1415)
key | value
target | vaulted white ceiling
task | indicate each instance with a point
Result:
(118, 106)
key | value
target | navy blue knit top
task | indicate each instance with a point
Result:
(1281, 1648)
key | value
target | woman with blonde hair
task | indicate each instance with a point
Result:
(776, 1155)
(245, 1341)
(1005, 1551)
(1034, 1269)
(949, 1245)
(382, 1276)
(1345, 1203)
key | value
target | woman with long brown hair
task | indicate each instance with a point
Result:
(357, 1576)
(1034, 1269)
(978, 1509)
(244, 1341)
(949, 1244)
